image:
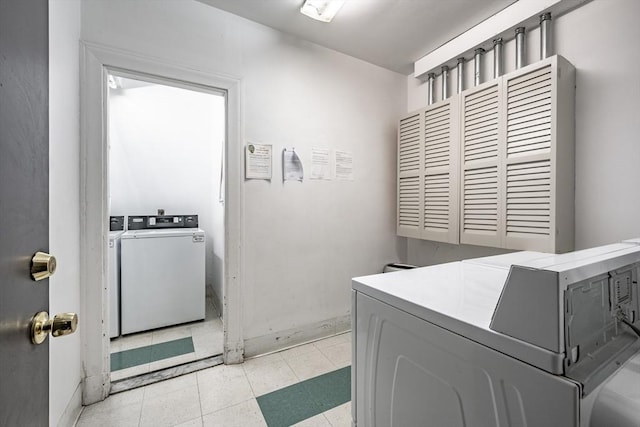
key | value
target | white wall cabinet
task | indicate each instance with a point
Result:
(428, 173)
(480, 135)
(498, 159)
(538, 162)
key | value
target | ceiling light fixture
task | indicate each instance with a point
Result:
(321, 10)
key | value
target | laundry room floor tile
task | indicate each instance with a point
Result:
(243, 414)
(269, 373)
(264, 391)
(309, 365)
(171, 408)
(338, 354)
(223, 386)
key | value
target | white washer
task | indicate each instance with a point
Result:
(518, 339)
(163, 278)
(114, 282)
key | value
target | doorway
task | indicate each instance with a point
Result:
(97, 62)
(165, 163)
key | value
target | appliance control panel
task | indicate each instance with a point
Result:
(116, 223)
(152, 222)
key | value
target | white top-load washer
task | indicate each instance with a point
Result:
(116, 229)
(163, 272)
(519, 339)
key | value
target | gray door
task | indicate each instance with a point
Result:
(24, 208)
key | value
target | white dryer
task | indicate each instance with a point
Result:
(163, 272)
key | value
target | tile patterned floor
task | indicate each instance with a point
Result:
(150, 351)
(228, 395)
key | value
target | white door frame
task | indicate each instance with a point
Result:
(96, 61)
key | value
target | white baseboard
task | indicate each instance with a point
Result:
(284, 339)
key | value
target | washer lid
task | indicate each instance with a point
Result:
(460, 297)
(169, 232)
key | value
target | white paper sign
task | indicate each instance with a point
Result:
(344, 165)
(320, 168)
(258, 160)
(291, 166)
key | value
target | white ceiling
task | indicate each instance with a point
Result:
(390, 33)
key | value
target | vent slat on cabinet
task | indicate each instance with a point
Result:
(439, 149)
(488, 138)
(479, 114)
(409, 152)
(409, 202)
(437, 145)
(480, 144)
(481, 96)
(436, 126)
(409, 122)
(524, 126)
(437, 163)
(527, 79)
(480, 199)
(529, 129)
(484, 106)
(480, 125)
(436, 201)
(437, 114)
(525, 109)
(409, 144)
(529, 115)
(539, 82)
(531, 93)
(437, 131)
(435, 142)
(528, 200)
(472, 121)
(410, 132)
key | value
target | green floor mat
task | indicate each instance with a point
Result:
(303, 400)
(150, 353)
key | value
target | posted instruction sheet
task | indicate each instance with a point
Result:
(344, 165)
(258, 158)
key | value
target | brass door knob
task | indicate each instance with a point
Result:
(60, 324)
(43, 265)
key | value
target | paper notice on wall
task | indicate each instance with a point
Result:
(320, 165)
(343, 165)
(291, 166)
(258, 158)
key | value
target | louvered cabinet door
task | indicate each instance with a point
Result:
(410, 190)
(538, 159)
(481, 166)
(441, 172)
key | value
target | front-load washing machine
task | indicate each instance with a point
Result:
(116, 229)
(163, 272)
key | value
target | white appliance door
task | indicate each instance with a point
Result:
(162, 280)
